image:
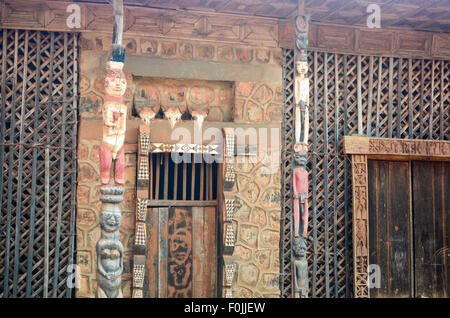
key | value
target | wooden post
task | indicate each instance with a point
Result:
(300, 175)
(109, 248)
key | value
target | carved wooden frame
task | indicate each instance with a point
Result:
(363, 148)
(226, 204)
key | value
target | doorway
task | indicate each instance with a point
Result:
(182, 222)
(409, 221)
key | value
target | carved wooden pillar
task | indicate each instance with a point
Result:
(300, 175)
(228, 241)
(109, 248)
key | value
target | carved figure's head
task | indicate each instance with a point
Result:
(299, 247)
(300, 159)
(115, 81)
(301, 67)
(110, 220)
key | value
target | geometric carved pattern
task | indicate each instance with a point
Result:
(138, 276)
(38, 166)
(403, 98)
(229, 274)
(144, 142)
(140, 238)
(184, 148)
(229, 208)
(229, 177)
(229, 235)
(141, 209)
(143, 173)
(360, 225)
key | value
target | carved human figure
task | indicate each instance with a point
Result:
(301, 99)
(110, 253)
(300, 187)
(114, 124)
(300, 268)
(110, 267)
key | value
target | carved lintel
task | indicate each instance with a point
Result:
(439, 149)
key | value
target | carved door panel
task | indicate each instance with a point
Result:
(390, 226)
(431, 184)
(182, 255)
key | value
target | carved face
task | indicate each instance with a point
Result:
(301, 68)
(180, 247)
(299, 247)
(300, 159)
(115, 82)
(110, 221)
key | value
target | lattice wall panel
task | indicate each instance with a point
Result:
(38, 162)
(349, 94)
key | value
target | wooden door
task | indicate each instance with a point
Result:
(409, 221)
(182, 255)
(390, 226)
(431, 184)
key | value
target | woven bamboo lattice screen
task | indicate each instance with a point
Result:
(389, 97)
(38, 162)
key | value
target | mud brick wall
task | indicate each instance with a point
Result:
(255, 77)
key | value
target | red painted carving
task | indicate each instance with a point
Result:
(300, 184)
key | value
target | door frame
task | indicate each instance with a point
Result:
(362, 148)
(153, 139)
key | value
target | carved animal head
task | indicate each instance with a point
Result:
(147, 115)
(199, 116)
(173, 115)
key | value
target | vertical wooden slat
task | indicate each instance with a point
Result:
(151, 157)
(380, 64)
(11, 165)
(20, 169)
(175, 181)
(193, 178)
(74, 142)
(61, 174)
(360, 113)
(46, 222)
(399, 98)
(391, 87)
(33, 181)
(422, 66)
(325, 160)
(166, 175)
(184, 179)
(210, 182)
(410, 99)
(3, 113)
(370, 99)
(314, 177)
(335, 177)
(157, 168)
(201, 179)
(443, 98)
(431, 101)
